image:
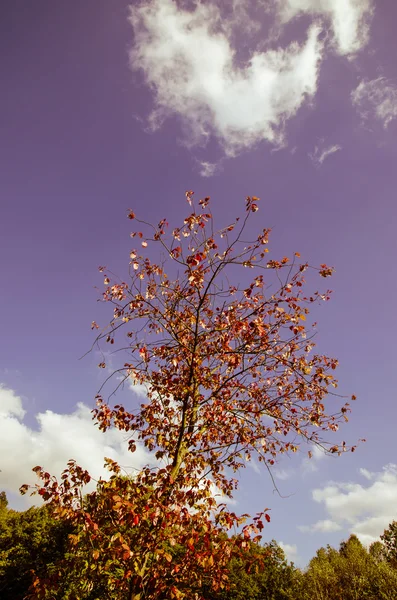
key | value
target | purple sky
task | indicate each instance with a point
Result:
(228, 108)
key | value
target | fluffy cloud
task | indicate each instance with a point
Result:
(58, 438)
(188, 59)
(349, 19)
(321, 152)
(376, 97)
(365, 510)
(189, 63)
(10, 404)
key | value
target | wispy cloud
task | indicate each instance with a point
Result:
(365, 510)
(376, 99)
(325, 526)
(367, 474)
(283, 474)
(349, 19)
(321, 152)
(208, 169)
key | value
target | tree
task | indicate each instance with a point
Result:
(389, 542)
(229, 371)
(353, 573)
(29, 541)
(3, 501)
(376, 550)
(261, 571)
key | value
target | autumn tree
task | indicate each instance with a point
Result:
(216, 332)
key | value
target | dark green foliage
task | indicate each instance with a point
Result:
(389, 542)
(261, 574)
(3, 501)
(34, 541)
(30, 540)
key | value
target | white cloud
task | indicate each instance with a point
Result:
(320, 153)
(187, 54)
(10, 404)
(189, 63)
(349, 19)
(254, 465)
(59, 437)
(208, 169)
(140, 389)
(364, 510)
(310, 465)
(290, 551)
(376, 97)
(325, 526)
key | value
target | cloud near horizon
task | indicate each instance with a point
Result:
(58, 438)
(290, 551)
(188, 60)
(366, 510)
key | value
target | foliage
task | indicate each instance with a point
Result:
(260, 572)
(353, 573)
(389, 542)
(229, 371)
(30, 540)
(34, 542)
(116, 528)
(3, 501)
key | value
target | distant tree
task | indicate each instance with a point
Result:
(389, 542)
(321, 581)
(376, 550)
(29, 541)
(229, 371)
(3, 501)
(353, 573)
(261, 571)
